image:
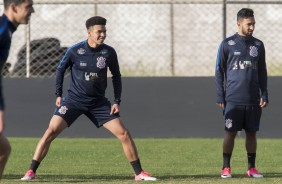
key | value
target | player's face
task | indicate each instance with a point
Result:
(246, 26)
(23, 12)
(96, 35)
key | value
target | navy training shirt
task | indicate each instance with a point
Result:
(89, 68)
(241, 74)
(6, 31)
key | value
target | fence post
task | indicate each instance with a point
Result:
(224, 19)
(172, 39)
(27, 36)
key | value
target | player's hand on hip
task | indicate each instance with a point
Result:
(262, 103)
(115, 109)
(58, 101)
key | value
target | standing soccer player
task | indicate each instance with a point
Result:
(89, 61)
(16, 12)
(241, 83)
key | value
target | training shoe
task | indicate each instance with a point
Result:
(226, 172)
(29, 175)
(144, 176)
(252, 172)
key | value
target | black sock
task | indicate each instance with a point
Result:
(251, 160)
(226, 160)
(136, 165)
(34, 165)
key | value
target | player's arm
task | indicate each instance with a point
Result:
(116, 77)
(262, 71)
(220, 75)
(60, 72)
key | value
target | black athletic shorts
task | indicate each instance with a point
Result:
(238, 117)
(98, 113)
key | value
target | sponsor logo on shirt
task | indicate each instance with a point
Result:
(82, 63)
(90, 76)
(231, 42)
(104, 51)
(257, 43)
(228, 123)
(81, 51)
(237, 53)
(253, 51)
(243, 65)
(101, 62)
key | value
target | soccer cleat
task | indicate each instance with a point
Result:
(144, 176)
(252, 172)
(29, 175)
(226, 172)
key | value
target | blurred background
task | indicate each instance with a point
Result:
(152, 37)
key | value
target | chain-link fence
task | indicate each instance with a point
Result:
(151, 37)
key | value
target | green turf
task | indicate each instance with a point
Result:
(173, 161)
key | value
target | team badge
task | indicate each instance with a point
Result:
(101, 62)
(228, 123)
(231, 42)
(81, 51)
(253, 51)
(63, 110)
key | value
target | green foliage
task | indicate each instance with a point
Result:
(173, 161)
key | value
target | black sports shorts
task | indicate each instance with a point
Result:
(99, 113)
(238, 117)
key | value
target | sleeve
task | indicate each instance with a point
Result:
(63, 65)
(262, 72)
(220, 73)
(116, 77)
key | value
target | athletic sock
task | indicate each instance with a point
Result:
(251, 160)
(34, 165)
(136, 165)
(226, 160)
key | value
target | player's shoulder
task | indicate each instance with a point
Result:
(230, 41)
(79, 48)
(108, 47)
(257, 41)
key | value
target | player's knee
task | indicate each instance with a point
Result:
(5, 150)
(124, 135)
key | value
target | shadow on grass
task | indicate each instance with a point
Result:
(85, 178)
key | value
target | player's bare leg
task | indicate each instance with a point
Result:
(56, 126)
(228, 143)
(5, 150)
(117, 128)
(5, 147)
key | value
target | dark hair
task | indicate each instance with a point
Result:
(7, 3)
(245, 13)
(96, 20)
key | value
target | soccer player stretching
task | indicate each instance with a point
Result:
(89, 61)
(16, 12)
(241, 82)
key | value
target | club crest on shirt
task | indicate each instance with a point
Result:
(63, 110)
(228, 123)
(81, 51)
(253, 51)
(101, 62)
(231, 42)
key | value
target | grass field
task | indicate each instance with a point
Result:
(173, 161)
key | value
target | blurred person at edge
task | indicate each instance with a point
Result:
(16, 12)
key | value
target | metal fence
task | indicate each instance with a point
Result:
(151, 37)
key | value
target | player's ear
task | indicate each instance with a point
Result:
(13, 7)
